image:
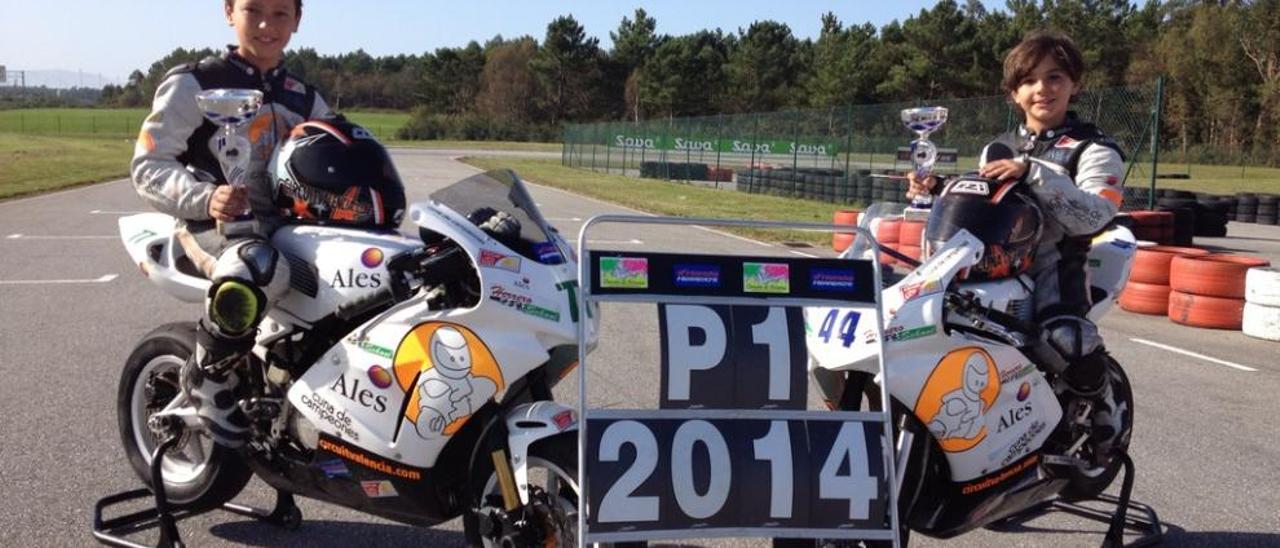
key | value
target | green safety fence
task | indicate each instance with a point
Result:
(833, 154)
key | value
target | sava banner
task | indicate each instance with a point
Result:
(803, 147)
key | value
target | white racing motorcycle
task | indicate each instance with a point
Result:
(407, 378)
(984, 428)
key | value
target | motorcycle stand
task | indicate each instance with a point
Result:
(1146, 523)
(112, 532)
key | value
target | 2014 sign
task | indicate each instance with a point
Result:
(672, 471)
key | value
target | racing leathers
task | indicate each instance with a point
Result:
(1075, 173)
(175, 169)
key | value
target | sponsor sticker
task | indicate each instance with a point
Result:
(624, 272)
(1015, 374)
(371, 258)
(294, 86)
(539, 312)
(374, 349)
(831, 279)
(1024, 391)
(333, 415)
(564, 419)
(334, 468)
(368, 460)
(1000, 477)
(697, 275)
(766, 278)
(909, 334)
(1066, 142)
(979, 188)
(548, 253)
(916, 289)
(380, 376)
(493, 259)
(1112, 180)
(378, 489)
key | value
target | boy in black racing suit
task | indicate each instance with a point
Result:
(176, 171)
(1074, 171)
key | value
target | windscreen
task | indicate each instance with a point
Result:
(502, 190)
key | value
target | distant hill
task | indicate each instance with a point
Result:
(59, 79)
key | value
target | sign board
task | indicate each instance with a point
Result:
(731, 451)
(692, 143)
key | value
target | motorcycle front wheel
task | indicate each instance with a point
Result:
(198, 474)
(553, 476)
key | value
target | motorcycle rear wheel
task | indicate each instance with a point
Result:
(198, 474)
(1084, 485)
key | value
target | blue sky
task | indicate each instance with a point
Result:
(114, 37)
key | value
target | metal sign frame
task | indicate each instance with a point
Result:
(585, 274)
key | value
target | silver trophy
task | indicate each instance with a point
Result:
(923, 121)
(232, 109)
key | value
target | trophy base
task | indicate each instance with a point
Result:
(916, 213)
(241, 227)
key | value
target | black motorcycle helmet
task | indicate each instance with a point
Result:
(1002, 214)
(330, 171)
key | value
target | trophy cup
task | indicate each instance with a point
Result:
(231, 109)
(923, 121)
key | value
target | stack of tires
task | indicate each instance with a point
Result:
(1147, 291)
(887, 233)
(842, 241)
(1151, 226)
(1256, 208)
(1212, 213)
(1262, 304)
(887, 190)
(911, 238)
(1208, 290)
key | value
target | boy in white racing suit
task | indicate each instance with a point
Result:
(176, 170)
(1075, 173)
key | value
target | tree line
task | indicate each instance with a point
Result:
(1221, 60)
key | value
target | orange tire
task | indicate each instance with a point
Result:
(1151, 218)
(845, 217)
(888, 231)
(1151, 265)
(1144, 298)
(1214, 275)
(912, 251)
(841, 242)
(911, 233)
(1203, 311)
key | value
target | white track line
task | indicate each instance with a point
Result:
(30, 237)
(1194, 355)
(632, 241)
(100, 280)
(114, 212)
(802, 254)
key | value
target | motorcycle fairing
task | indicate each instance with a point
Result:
(523, 310)
(348, 263)
(984, 402)
(149, 240)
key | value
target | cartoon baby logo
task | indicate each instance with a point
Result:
(957, 396)
(448, 373)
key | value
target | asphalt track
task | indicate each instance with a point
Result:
(72, 305)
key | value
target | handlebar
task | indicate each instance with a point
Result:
(427, 265)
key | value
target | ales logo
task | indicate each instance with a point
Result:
(1013, 416)
(351, 278)
(363, 396)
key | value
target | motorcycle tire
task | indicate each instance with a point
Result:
(556, 455)
(1082, 485)
(191, 483)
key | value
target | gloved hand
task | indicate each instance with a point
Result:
(499, 224)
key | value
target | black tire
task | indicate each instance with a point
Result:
(1084, 486)
(217, 478)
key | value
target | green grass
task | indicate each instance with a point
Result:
(674, 199)
(34, 163)
(124, 122)
(481, 145)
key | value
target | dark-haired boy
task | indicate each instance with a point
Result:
(1075, 173)
(176, 170)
